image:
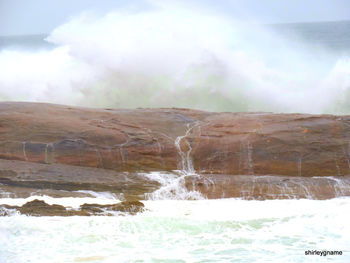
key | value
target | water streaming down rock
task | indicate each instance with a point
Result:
(262, 187)
(186, 184)
(173, 185)
(186, 161)
(242, 155)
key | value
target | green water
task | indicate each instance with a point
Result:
(224, 230)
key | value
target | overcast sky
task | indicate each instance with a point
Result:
(42, 16)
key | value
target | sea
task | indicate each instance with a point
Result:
(186, 227)
(333, 36)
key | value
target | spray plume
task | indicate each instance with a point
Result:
(172, 57)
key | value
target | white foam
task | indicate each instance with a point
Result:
(100, 195)
(73, 202)
(187, 59)
(221, 230)
(237, 209)
(172, 187)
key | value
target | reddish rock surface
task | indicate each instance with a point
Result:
(280, 144)
(264, 187)
(122, 140)
(143, 139)
(24, 179)
(58, 150)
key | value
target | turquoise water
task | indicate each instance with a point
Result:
(223, 230)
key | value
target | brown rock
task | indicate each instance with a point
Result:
(47, 147)
(143, 139)
(131, 207)
(280, 144)
(122, 140)
(93, 208)
(249, 187)
(22, 179)
(40, 208)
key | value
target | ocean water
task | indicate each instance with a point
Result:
(222, 230)
(278, 68)
(179, 225)
(25, 42)
(333, 36)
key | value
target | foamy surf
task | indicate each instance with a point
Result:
(172, 187)
(222, 230)
(70, 202)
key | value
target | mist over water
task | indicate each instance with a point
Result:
(177, 58)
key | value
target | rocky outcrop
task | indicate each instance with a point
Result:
(40, 208)
(131, 207)
(280, 144)
(252, 187)
(122, 140)
(23, 179)
(143, 139)
(53, 148)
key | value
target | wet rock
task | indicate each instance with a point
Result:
(23, 179)
(93, 208)
(54, 149)
(7, 210)
(273, 144)
(40, 208)
(251, 187)
(4, 212)
(143, 140)
(131, 207)
(122, 140)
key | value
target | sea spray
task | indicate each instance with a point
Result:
(173, 187)
(172, 57)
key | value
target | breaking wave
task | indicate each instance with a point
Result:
(172, 57)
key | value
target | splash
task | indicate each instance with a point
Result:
(220, 230)
(103, 198)
(173, 187)
(172, 57)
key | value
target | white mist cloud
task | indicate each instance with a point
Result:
(172, 57)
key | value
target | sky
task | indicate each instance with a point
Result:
(19, 17)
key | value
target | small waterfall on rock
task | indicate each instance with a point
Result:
(186, 161)
(173, 185)
(186, 184)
